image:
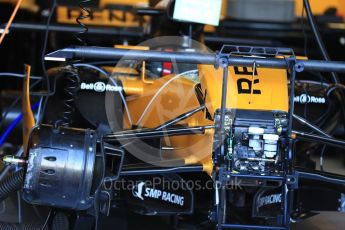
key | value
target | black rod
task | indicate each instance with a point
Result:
(182, 169)
(117, 54)
(318, 139)
(74, 29)
(320, 176)
(192, 58)
(161, 163)
(156, 133)
(310, 125)
(180, 118)
(321, 66)
(258, 177)
(291, 111)
(223, 107)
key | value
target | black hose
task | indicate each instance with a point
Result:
(318, 38)
(11, 184)
(26, 226)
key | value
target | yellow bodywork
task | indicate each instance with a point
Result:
(104, 16)
(179, 97)
(266, 90)
(176, 98)
(318, 7)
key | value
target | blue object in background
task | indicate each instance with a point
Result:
(14, 123)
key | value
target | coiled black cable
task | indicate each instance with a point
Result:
(11, 184)
(70, 90)
(85, 12)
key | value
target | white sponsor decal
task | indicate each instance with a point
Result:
(139, 192)
(270, 199)
(100, 87)
(305, 98)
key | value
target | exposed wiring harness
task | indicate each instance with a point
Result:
(328, 122)
(326, 57)
(317, 36)
(330, 88)
(160, 90)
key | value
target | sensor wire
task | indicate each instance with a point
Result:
(160, 90)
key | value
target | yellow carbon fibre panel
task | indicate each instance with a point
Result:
(104, 17)
(319, 7)
(137, 3)
(266, 90)
(176, 98)
(179, 97)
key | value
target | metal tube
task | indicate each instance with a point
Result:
(192, 58)
(318, 139)
(291, 111)
(156, 133)
(313, 127)
(151, 164)
(222, 109)
(180, 118)
(182, 169)
(322, 66)
(320, 176)
(259, 177)
(74, 29)
(7, 168)
(116, 54)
